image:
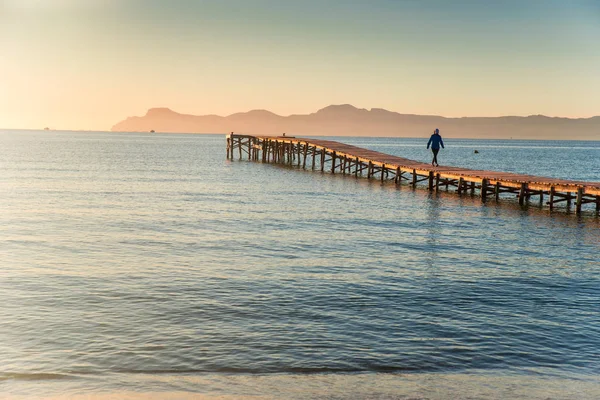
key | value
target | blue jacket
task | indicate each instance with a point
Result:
(435, 141)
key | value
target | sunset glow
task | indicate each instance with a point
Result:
(88, 64)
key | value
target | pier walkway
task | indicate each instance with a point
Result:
(336, 157)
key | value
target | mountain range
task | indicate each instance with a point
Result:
(347, 120)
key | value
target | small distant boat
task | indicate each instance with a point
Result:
(152, 131)
(476, 152)
(46, 129)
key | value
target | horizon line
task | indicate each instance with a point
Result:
(310, 135)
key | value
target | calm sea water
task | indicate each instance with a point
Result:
(148, 265)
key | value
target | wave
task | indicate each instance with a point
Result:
(269, 371)
(41, 376)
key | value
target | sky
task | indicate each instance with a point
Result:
(87, 64)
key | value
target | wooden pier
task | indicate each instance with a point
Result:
(340, 158)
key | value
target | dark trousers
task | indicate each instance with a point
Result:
(435, 153)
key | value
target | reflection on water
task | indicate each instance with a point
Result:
(147, 263)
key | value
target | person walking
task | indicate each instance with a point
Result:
(435, 141)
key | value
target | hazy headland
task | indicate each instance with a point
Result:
(347, 120)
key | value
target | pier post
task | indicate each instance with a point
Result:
(323, 160)
(484, 185)
(369, 170)
(314, 156)
(382, 172)
(333, 157)
(460, 185)
(228, 145)
(398, 179)
(569, 197)
(264, 151)
(579, 201)
(305, 155)
(522, 193)
(344, 165)
(356, 168)
(414, 180)
(430, 180)
(437, 182)
(551, 201)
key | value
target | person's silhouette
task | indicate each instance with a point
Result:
(435, 141)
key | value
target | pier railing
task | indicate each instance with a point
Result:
(340, 158)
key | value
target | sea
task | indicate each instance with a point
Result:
(148, 266)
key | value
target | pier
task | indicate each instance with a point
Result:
(339, 158)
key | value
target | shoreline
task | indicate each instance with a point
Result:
(434, 386)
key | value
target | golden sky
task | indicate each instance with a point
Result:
(87, 64)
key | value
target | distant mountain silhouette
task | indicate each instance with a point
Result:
(347, 120)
